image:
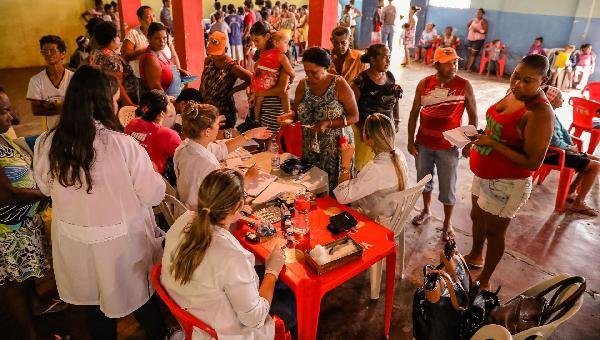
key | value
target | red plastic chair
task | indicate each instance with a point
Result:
(292, 139)
(584, 110)
(187, 321)
(593, 90)
(485, 57)
(566, 174)
(429, 55)
(435, 45)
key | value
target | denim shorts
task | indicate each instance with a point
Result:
(445, 162)
(501, 197)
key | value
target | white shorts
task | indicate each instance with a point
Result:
(501, 197)
(237, 52)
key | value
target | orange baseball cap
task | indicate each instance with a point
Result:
(217, 41)
(444, 55)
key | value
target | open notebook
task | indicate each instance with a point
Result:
(259, 184)
(458, 136)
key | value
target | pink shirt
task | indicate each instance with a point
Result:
(474, 28)
(160, 142)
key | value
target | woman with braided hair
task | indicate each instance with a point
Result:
(385, 174)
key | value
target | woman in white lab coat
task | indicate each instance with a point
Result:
(103, 186)
(201, 153)
(385, 174)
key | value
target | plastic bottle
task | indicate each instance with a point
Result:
(274, 148)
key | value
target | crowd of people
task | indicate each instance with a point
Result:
(103, 177)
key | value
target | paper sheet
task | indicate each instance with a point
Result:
(273, 190)
(260, 183)
(458, 136)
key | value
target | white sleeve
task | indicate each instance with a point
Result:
(147, 183)
(131, 37)
(240, 287)
(41, 164)
(366, 182)
(219, 149)
(34, 89)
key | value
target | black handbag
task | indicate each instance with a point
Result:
(449, 305)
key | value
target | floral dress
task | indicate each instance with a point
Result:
(215, 89)
(22, 239)
(110, 61)
(313, 109)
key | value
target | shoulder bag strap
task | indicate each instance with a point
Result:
(562, 307)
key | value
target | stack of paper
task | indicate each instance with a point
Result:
(458, 136)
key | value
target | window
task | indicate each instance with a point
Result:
(450, 3)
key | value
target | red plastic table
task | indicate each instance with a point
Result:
(309, 288)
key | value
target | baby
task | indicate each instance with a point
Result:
(266, 71)
(495, 53)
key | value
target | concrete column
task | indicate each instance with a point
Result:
(322, 19)
(189, 34)
(127, 14)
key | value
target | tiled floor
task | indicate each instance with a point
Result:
(540, 243)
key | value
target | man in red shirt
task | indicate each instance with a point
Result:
(439, 104)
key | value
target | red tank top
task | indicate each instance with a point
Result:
(443, 107)
(489, 164)
(166, 75)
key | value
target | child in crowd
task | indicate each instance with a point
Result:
(495, 52)
(107, 16)
(404, 41)
(449, 39)
(267, 68)
(81, 54)
(562, 71)
(586, 166)
(537, 47)
(221, 26)
(584, 66)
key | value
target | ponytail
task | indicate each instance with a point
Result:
(221, 193)
(380, 130)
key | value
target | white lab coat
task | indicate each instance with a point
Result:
(373, 183)
(104, 242)
(223, 290)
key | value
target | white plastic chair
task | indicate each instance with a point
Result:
(403, 203)
(544, 331)
(171, 208)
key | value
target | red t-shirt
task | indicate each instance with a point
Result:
(160, 142)
(249, 19)
(443, 107)
(489, 164)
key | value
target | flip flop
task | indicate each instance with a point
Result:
(472, 264)
(586, 211)
(448, 235)
(55, 306)
(420, 219)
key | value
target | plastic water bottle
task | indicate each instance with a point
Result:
(274, 154)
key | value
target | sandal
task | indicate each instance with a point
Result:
(55, 306)
(448, 235)
(585, 210)
(473, 264)
(420, 219)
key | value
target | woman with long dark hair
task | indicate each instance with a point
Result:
(103, 187)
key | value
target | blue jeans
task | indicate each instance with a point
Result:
(387, 35)
(446, 163)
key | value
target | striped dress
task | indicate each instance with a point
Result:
(269, 111)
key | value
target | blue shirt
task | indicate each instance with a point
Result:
(560, 137)
(235, 23)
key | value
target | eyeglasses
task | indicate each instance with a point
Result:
(49, 52)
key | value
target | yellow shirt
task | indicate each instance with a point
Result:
(561, 59)
(352, 65)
